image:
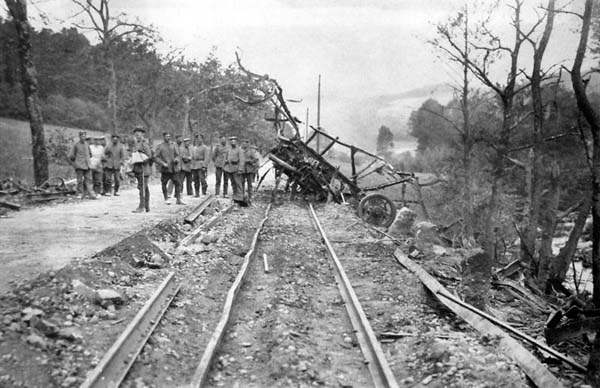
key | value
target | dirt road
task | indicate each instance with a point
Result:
(36, 240)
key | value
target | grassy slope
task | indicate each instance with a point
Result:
(15, 150)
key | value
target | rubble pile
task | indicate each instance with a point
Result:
(14, 194)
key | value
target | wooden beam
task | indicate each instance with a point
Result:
(536, 371)
(190, 218)
(10, 205)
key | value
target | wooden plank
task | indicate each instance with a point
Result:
(196, 232)
(536, 371)
(190, 218)
(10, 205)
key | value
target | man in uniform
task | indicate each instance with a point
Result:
(186, 166)
(167, 157)
(218, 158)
(250, 168)
(96, 160)
(80, 158)
(200, 158)
(114, 154)
(142, 169)
(234, 168)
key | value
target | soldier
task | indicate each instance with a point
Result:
(167, 156)
(114, 154)
(250, 168)
(142, 163)
(80, 158)
(97, 154)
(200, 158)
(218, 158)
(234, 168)
(186, 166)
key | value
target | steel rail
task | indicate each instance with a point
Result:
(378, 366)
(115, 364)
(201, 373)
(194, 235)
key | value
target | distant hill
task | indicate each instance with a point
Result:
(357, 120)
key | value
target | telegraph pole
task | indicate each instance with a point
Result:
(319, 113)
(306, 126)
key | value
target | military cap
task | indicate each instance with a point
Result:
(115, 135)
(139, 128)
(186, 139)
(233, 138)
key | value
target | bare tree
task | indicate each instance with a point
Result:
(109, 30)
(478, 63)
(592, 116)
(18, 12)
(537, 164)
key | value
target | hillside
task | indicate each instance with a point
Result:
(15, 149)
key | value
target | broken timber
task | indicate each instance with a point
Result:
(196, 232)
(10, 205)
(536, 371)
(190, 218)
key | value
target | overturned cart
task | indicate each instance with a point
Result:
(310, 173)
(339, 172)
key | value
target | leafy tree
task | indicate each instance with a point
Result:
(385, 140)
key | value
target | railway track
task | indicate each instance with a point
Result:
(299, 313)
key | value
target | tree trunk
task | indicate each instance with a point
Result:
(560, 264)
(186, 116)
(537, 164)
(548, 223)
(112, 92)
(18, 11)
(593, 118)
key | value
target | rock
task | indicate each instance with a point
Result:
(14, 327)
(36, 340)
(70, 381)
(107, 297)
(426, 234)
(7, 319)
(439, 351)
(186, 227)
(302, 366)
(403, 223)
(427, 380)
(125, 279)
(111, 274)
(439, 250)
(70, 334)
(82, 289)
(209, 238)
(30, 312)
(46, 327)
(156, 261)
(94, 319)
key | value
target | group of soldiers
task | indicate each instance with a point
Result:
(182, 164)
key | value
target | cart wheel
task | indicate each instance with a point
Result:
(377, 209)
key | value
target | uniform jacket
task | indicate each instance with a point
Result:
(186, 158)
(114, 156)
(80, 155)
(166, 154)
(143, 147)
(200, 157)
(218, 156)
(252, 162)
(234, 160)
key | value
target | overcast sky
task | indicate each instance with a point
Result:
(361, 48)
